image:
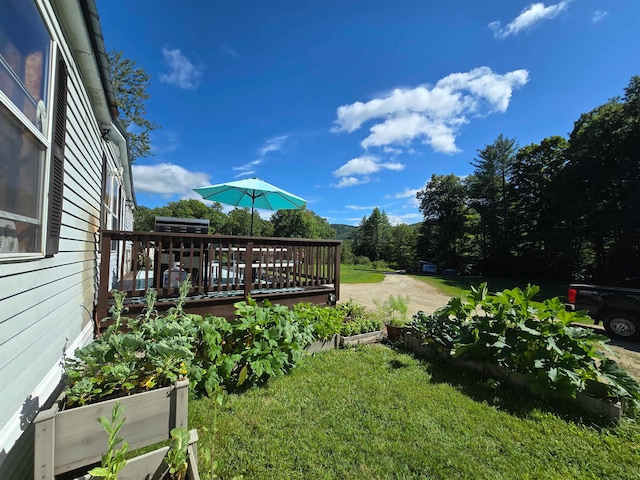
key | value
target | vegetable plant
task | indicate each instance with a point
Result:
(538, 339)
(176, 457)
(114, 459)
(156, 350)
(325, 321)
(360, 325)
(352, 310)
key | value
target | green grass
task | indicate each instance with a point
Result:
(360, 274)
(374, 413)
(457, 285)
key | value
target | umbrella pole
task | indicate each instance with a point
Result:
(251, 231)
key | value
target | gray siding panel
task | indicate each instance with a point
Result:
(45, 304)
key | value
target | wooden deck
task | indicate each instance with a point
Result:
(223, 270)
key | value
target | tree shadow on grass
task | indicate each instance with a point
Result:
(517, 401)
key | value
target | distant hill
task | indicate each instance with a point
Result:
(343, 232)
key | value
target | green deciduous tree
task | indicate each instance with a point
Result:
(603, 175)
(300, 223)
(144, 217)
(443, 203)
(402, 246)
(130, 84)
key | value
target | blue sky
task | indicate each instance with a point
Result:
(354, 104)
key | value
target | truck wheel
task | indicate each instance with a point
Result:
(622, 326)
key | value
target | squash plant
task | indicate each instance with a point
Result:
(538, 339)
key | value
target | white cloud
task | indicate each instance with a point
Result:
(360, 207)
(350, 182)
(273, 145)
(167, 179)
(598, 16)
(164, 141)
(183, 73)
(365, 166)
(247, 169)
(408, 218)
(530, 16)
(408, 193)
(433, 115)
(229, 51)
(392, 151)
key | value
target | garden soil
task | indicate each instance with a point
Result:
(427, 298)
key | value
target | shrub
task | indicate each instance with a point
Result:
(538, 339)
(362, 260)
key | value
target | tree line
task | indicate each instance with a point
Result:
(301, 223)
(561, 208)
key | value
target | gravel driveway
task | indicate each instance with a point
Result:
(421, 295)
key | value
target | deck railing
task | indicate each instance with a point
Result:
(217, 264)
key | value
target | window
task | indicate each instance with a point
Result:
(28, 157)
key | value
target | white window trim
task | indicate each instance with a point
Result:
(45, 142)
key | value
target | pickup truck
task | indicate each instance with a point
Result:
(617, 308)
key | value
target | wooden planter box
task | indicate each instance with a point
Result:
(66, 440)
(394, 332)
(151, 466)
(322, 345)
(363, 338)
(608, 409)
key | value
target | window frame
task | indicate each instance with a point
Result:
(44, 140)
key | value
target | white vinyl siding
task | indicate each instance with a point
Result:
(46, 304)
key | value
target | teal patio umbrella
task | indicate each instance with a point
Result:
(251, 192)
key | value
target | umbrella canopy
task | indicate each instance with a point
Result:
(251, 192)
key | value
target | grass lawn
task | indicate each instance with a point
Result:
(360, 274)
(457, 285)
(374, 413)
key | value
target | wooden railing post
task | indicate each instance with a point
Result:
(248, 270)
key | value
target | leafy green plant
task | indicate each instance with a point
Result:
(360, 325)
(211, 351)
(352, 310)
(154, 353)
(325, 321)
(538, 339)
(114, 459)
(176, 457)
(394, 310)
(267, 341)
(117, 311)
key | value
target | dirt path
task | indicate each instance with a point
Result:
(421, 295)
(426, 298)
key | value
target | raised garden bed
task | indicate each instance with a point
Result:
(362, 339)
(323, 345)
(68, 440)
(608, 409)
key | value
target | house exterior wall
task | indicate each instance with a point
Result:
(47, 304)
